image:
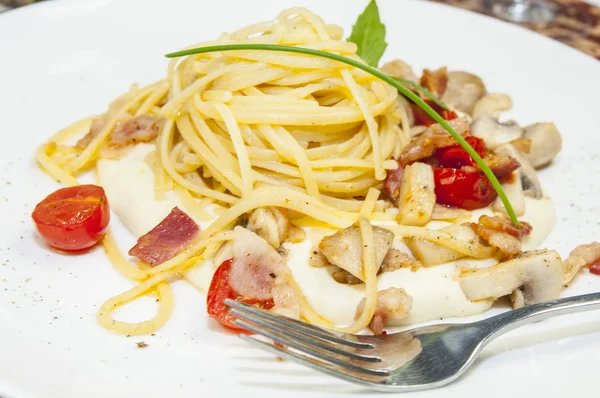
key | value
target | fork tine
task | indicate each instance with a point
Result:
(308, 350)
(299, 326)
(305, 360)
(303, 338)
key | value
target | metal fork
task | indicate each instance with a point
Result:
(417, 359)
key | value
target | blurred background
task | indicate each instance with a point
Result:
(575, 23)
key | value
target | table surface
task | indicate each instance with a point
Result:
(577, 23)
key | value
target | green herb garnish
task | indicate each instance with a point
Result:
(379, 74)
(368, 33)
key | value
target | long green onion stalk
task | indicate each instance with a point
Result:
(388, 79)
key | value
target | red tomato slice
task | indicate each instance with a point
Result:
(455, 156)
(73, 218)
(421, 117)
(467, 190)
(220, 290)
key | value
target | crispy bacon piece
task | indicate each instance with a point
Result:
(501, 165)
(435, 81)
(501, 233)
(424, 145)
(167, 239)
(396, 259)
(258, 272)
(392, 304)
(581, 256)
(393, 182)
(142, 128)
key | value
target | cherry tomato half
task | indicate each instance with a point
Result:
(467, 190)
(421, 117)
(73, 218)
(455, 156)
(219, 290)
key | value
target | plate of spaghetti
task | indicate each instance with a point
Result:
(360, 166)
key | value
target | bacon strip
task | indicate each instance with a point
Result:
(392, 304)
(501, 165)
(433, 138)
(142, 128)
(167, 239)
(130, 130)
(393, 183)
(581, 256)
(501, 233)
(435, 81)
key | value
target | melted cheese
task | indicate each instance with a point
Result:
(436, 292)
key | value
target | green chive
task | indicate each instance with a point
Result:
(379, 74)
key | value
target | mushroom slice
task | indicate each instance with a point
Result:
(417, 196)
(581, 256)
(430, 254)
(517, 299)
(393, 304)
(530, 183)
(317, 259)
(270, 224)
(344, 248)
(546, 143)
(491, 105)
(537, 274)
(344, 277)
(495, 133)
(463, 90)
(515, 194)
(399, 68)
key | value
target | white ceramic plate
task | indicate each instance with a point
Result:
(62, 60)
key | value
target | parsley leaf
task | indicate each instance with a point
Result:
(368, 33)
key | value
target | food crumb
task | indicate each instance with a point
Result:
(141, 344)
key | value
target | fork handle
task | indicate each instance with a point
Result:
(507, 321)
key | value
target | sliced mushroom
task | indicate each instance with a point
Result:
(538, 274)
(495, 133)
(517, 299)
(463, 90)
(530, 183)
(399, 68)
(491, 105)
(546, 143)
(515, 194)
(317, 259)
(430, 254)
(344, 277)
(417, 196)
(345, 248)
